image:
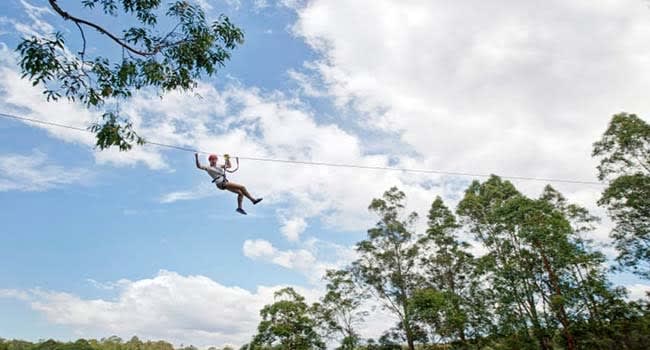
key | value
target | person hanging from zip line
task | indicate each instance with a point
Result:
(218, 175)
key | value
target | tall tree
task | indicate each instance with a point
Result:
(544, 235)
(287, 324)
(509, 268)
(164, 60)
(447, 268)
(595, 308)
(624, 153)
(340, 311)
(388, 260)
(544, 274)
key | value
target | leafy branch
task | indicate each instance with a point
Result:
(175, 60)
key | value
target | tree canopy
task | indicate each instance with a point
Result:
(624, 154)
(288, 323)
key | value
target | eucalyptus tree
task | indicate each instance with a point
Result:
(144, 56)
(600, 315)
(387, 265)
(444, 303)
(510, 270)
(287, 324)
(545, 275)
(543, 236)
(624, 154)
(340, 310)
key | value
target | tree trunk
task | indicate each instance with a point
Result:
(543, 339)
(452, 287)
(407, 329)
(561, 313)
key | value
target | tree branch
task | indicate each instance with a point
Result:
(78, 21)
(83, 36)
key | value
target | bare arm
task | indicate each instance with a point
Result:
(237, 168)
(196, 158)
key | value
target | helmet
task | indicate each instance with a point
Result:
(212, 157)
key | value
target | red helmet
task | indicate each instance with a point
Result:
(212, 157)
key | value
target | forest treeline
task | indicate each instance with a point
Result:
(540, 282)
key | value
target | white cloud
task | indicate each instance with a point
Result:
(182, 309)
(184, 195)
(301, 259)
(37, 27)
(260, 4)
(204, 4)
(258, 248)
(292, 228)
(207, 7)
(14, 294)
(177, 196)
(307, 83)
(291, 3)
(483, 87)
(34, 173)
(108, 285)
(234, 3)
(500, 94)
(312, 259)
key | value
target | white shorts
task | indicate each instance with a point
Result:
(222, 185)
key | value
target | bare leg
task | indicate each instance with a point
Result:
(240, 195)
(237, 188)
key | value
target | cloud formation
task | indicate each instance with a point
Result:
(312, 259)
(190, 309)
(292, 228)
(502, 87)
(33, 172)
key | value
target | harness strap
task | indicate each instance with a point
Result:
(224, 178)
(225, 171)
(221, 177)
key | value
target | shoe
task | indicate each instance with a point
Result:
(257, 200)
(241, 211)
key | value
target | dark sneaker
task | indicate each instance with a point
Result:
(241, 211)
(257, 200)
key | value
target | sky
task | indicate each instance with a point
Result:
(99, 243)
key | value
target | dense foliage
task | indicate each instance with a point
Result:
(538, 284)
(111, 343)
(288, 323)
(624, 154)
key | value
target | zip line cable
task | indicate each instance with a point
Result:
(337, 165)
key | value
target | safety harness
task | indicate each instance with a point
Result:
(226, 170)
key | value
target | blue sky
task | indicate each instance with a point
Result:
(88, 237)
